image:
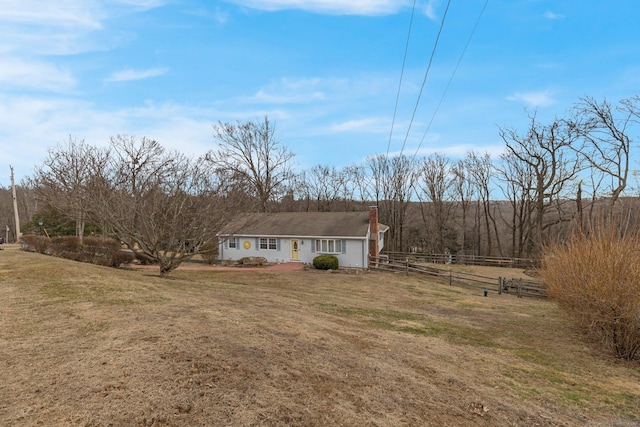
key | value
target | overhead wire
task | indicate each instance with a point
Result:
(424, 81)
(452, 76)
(404, 61)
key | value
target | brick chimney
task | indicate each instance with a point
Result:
(374, 250)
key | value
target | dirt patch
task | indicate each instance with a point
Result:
(93, 346)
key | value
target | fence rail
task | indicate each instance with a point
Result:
(519, 287)
(463, 259)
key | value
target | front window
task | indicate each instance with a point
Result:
(268, 243)
(329, 246)
(233, 243)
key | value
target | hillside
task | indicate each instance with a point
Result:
(94, 346)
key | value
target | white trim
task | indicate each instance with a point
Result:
(294, 236)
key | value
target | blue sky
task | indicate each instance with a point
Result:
(326, 71)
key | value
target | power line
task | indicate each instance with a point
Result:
(404, 61)
(451, 78)
(424, 81)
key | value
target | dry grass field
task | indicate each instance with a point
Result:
(82, 345)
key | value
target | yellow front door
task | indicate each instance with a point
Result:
(294, 250)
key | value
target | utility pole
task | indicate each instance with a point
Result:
(15, 207)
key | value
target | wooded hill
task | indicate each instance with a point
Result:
(572, 174)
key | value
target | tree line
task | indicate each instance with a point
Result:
(552, 179)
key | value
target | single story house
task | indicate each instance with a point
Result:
(301, 236)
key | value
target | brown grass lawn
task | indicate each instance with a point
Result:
(82, 345)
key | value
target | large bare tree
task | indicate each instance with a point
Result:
(164, 206)
(250, 152)
(62, 180)
(545, 152)
(606, 143)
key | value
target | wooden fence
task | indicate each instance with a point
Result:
(519, 287)
(463, 259)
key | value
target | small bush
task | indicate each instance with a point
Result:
(121, 257)
(107, 252)
(209, 252)
(65, 247)
(596, 279)
(33, 243)
(325, 262)
(252, 261)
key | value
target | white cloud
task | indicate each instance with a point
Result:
(372, 125)
(29, 126)
(430, 9)
(32, 27)
(290, 91)
(128, 75)
(263, 96)
(20, 73)
(334, 7)
(214, 15)
(61, 13)
(143, 4)
(552, 15)
(63, 27)
(534, 99)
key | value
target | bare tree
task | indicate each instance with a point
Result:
(359, 182)
(352, 194)
(606, 144)
(481, 171)
(517, 186)
(392, 181)
(434, 190)
(63, 178)
(251, 153)
(323, 183)
(164, 206)
(546, 152)
(463, 189)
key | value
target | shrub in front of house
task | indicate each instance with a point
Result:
(252, 261)
(326, 262)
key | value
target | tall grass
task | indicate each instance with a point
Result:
(596, 279)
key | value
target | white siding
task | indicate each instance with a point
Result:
(355, 251)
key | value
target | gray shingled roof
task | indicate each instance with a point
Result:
(311, 224)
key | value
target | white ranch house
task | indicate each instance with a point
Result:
(301, 236)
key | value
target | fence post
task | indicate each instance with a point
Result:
(520, 288)
(407, 266)
(499, 285)
(450, 277)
